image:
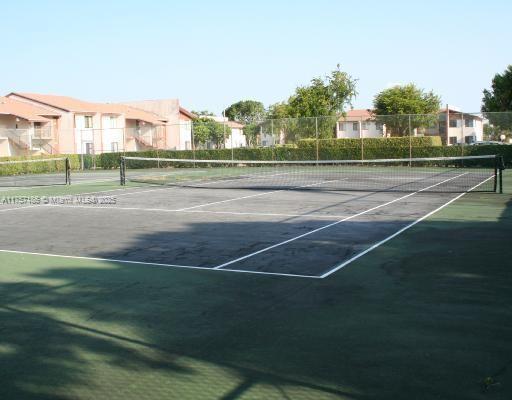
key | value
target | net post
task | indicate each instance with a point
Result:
(501, 167)
(496, 169)
(410, 141)
(68, 171)
(122, 171)
(501, 181)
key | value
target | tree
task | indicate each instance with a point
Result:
(206, 129)
(250, 113)
(406, 107)
(218, 133)
(499, 98)
(315, 107)
(497, 101)
(324, 96)
(204, 113)
(246, 111)
(201, 132)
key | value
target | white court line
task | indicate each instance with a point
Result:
(256, 195)
(373, 247)
(332, 224)
(321, 216)
(155, 264)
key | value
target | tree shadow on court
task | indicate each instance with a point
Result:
(425, 316)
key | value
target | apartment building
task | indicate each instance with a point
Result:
(32, 123)
(359, 123)
(178, 121)
(457, 127)
(453, 125)
(25, 128)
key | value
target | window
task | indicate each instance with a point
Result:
(112, 122)
(453, 123)
(378, 126)
(340, 126)
(355, 126)
(469, 139)
(114, 147)
(453, 139)
(89, 149)
(87, 121)
(469, 123)
(365, 126)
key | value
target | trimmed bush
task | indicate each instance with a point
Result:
(35, 167)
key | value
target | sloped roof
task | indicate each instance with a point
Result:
(457, 113)
(65, 103)
(188, 113)
(359, 113)
(234, 124)
(132, 113)
(23, 110)
(71, 104)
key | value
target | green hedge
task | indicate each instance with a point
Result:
(75, 161)
(395, 142)
(34, 167)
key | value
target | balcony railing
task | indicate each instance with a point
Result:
(42, 133)
(148, 136)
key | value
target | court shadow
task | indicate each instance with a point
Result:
(425, 316)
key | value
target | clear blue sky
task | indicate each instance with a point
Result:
(210, 54)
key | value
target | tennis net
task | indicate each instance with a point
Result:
(441, 174)
(35, 172)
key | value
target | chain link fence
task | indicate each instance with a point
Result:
(358, 135)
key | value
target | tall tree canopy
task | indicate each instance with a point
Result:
(406, 107)
(496, 102)
(315, 107)
(322, 97)
(246, 111)
(499, 97)
(206, 129)
(250, 113)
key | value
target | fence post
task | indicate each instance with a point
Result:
(317, 138)
(462, 133)
(410, 140)
(232, 147)
(193, 142)
(361, 137)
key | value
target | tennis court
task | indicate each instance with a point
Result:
(303, 282)
(296, 219)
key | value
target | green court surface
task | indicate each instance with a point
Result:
(427, 315)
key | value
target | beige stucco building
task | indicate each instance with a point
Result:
(32, 123)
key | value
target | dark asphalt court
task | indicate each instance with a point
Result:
(221, 228)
